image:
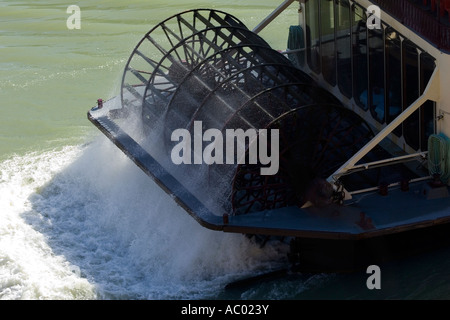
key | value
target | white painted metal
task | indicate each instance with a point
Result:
(273, 15)
(431, 93)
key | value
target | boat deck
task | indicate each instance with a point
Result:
(420, 207)
(392, 213)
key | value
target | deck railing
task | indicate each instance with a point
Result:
(419, 20)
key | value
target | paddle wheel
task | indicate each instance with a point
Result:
(263, 144)
(205, 66)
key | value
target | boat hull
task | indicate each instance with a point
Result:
(341, 256)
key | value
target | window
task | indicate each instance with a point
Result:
(411, 126)
(376, 75)
(344, 48)
(328, 48)
(359, 42)
(427, 65)
(313, 35)
(381, 70)
(393, 76)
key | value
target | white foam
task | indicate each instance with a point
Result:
(29, 269)
(86, 223)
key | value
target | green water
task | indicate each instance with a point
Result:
(50, 75)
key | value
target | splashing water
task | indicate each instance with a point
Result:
(85, 223)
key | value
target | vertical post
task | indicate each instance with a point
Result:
(301, 13)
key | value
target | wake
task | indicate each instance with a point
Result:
(84, 222)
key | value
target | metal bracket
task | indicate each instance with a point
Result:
(431, 93)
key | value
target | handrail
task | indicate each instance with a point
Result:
(431, 93)
(420, 21)
(272, 16)
(382, 163)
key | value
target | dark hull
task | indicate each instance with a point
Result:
(335, 256)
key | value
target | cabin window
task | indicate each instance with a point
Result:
(328, 43)
(393, 76)
(427, 113)
(360, 59)
(344, 48)
(411, 126)
(381, 70)
(313, 35)
(376, 75)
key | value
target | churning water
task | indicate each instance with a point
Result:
(83, 222)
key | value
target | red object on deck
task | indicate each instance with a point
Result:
(404, 185)
(383, 189)
(100, 103)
